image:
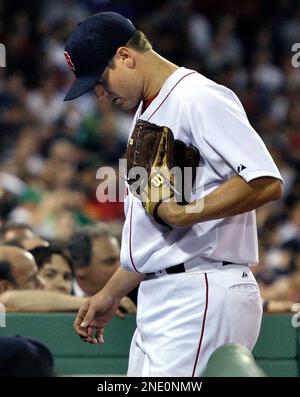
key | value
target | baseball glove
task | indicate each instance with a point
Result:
(157, 165)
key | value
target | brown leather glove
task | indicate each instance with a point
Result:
(159, 168)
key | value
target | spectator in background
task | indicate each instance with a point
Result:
(15, 231)
(55, 268)
(95, 254)
(22, 235)
(17, 270)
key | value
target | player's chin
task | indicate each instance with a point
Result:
(128, 105)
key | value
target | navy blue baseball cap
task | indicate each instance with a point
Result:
(91, 46)
(21, 356)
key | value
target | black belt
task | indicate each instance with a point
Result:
(181, 268)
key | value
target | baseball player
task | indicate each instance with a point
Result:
(192, 261)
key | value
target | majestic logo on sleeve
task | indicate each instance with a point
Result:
(240, 168)
(69, 61)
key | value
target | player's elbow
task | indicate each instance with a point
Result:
(266, 189)
(275, 189)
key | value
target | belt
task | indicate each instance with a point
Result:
(180, 269)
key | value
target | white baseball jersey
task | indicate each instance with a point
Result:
(211, 117)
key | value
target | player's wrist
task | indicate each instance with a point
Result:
(182, 215)
(171, 213)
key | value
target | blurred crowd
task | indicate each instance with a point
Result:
(50, 150)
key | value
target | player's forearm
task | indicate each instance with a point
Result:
(121, 283)
(233, 197)
(40, 301)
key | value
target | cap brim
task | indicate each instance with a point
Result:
(83, 84)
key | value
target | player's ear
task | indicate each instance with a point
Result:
(126, 57)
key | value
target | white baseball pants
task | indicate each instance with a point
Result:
(182, 318)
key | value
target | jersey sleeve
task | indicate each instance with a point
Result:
(220, 125)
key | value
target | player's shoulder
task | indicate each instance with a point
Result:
(196, 86)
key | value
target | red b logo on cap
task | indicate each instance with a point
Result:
(69, 61)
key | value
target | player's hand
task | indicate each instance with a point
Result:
(126, 306)
(93, 316)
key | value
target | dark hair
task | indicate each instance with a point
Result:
(80, 244)
(139, 41)
(80, 248)
(43, 254)
(5, 271)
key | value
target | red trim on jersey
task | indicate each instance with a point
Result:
(148, 102)
(170, 93)
(130, 243)
(203, 326)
